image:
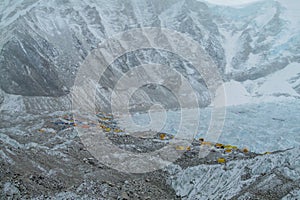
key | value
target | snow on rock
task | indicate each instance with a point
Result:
(230, 45)
(278, 82)
(1, 97)
(11, 191)
(12, 103)
(275, 87)
(240, 178)
(292, 15)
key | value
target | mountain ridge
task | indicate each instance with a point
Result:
(47, 42)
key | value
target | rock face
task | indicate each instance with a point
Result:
(28, 68)
(43, 44)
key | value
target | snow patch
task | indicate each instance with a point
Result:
(231, 3)
(13, 103)
(230, 45)
(233, 92)
(253, 60)
(265, 17)
(48, 130)
(278, 82)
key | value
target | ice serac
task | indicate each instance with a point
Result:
(43, 43)
(265, 177)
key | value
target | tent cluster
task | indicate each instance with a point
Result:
(165, 136)
(65, 121)
(105, 122)
(224, 149)
(183, 148)
(68, 121)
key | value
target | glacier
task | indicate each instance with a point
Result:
(255, 46)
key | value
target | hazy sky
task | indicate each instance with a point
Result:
(230, 2)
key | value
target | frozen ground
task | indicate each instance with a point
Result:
(263, 127)
(242, 179)
(260, 127)
(42, 159)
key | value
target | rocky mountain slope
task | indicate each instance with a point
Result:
(42, 158)
(255, 47)
(43, 43)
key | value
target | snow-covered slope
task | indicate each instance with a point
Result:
(265, 177)
(279, 86)
(259, 33)
(284, 82)
(256, 48)
(43, 41)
